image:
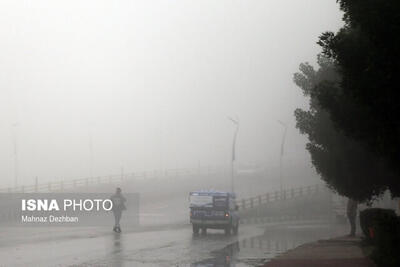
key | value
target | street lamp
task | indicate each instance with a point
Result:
(15, 145)
(281, 155)
(90, 151)
(236, 122)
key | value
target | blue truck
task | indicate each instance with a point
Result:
(214, 210)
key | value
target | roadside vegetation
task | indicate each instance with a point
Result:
(352, 122)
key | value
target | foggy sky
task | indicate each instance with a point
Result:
(149, 84)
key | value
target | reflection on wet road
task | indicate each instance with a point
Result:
(117, 248)
(256, 250)
(175, 246)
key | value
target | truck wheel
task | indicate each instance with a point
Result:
(228, 229)
(196, 229)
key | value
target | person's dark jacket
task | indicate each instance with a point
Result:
(118, 201)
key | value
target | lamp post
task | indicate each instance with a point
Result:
(15, 145)
(91, 156)
(236, 123)
(281, 154)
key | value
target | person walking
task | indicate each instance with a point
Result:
(351, 215)
(118, 201)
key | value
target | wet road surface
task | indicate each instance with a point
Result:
(162, 246)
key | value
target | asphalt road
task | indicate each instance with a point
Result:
(155, 246)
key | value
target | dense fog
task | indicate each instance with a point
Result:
(92, 87)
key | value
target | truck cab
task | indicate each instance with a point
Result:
(214, 210)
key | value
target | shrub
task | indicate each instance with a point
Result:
(369, 217)
(382, 229)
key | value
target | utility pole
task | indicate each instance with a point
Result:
(15, 145)
(236, 122)
(281, 154)
(90, 151)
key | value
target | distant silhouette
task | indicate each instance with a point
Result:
(351, 214)
(118, 201)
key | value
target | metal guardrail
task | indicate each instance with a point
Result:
(110, 179)
(253, 202)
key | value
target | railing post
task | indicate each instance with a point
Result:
(243, 204)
